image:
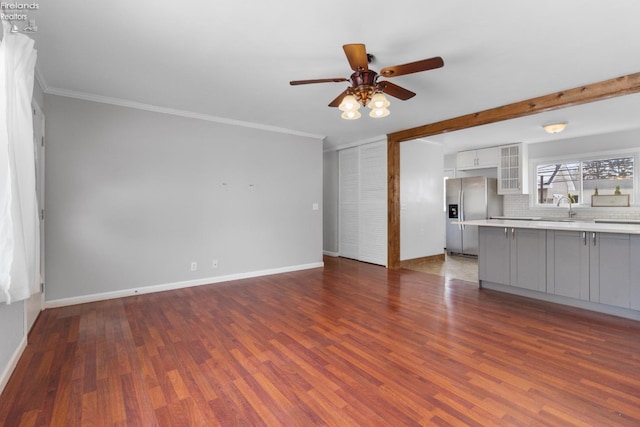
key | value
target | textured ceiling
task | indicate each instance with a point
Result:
(234, 60)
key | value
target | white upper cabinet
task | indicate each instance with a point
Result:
(512, 169)
(476, 159)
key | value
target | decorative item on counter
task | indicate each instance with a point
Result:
(617, 199)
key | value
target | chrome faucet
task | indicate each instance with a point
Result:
(571, 213)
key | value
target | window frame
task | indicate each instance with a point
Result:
(600, 155)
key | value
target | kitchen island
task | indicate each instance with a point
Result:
(588, 264)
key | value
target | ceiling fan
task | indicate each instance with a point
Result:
(365, 87)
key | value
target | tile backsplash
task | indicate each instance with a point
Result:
(517, 205)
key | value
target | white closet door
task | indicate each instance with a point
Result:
(373, 203)
(363, 203)
(349, 187)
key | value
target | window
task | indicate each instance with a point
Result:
(579, 179)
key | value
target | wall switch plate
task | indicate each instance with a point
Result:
(214, 263)
(315, 206)
(194, 266)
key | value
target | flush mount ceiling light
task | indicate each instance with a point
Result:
(554, 127)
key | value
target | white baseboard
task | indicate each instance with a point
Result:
(11, 366)
(176, 285)
(329, 253)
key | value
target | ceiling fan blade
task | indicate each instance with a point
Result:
(395, 90)
(336, 102)
(412, 67)
(357, 56)
(306, 82)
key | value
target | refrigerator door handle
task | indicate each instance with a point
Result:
(461, 208)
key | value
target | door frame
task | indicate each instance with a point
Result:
(35, 304)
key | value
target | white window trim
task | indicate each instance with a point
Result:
(533, 172)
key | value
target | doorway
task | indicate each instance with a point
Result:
(35, 304)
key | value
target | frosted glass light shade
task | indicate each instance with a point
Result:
(349, 103)
(554, 127)
(351, 115)
(378, 113)
(378, 101)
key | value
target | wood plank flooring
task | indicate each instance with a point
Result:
(349, 345)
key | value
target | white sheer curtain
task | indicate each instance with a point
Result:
(19, 224)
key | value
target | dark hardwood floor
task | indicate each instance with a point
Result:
(350, 344)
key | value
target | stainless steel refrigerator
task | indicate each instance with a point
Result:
(469, 199)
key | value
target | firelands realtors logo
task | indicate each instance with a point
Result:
(18, 15)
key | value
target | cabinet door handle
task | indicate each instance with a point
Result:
(513, 233)
(584, 237)
(593, 236)
(506, 236)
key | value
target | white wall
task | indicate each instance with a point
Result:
(133, 197)
(422, 224)
(13, 337)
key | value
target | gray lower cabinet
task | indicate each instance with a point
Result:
(494, 255)
(513, 256)
(610, 272)
(598, 267)
(602, 269)
(568, 263)
(635, 272)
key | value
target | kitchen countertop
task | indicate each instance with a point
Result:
(573, 225)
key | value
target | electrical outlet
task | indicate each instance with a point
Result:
(214, 263)
(194, 266)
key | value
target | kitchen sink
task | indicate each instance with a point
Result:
(566, 220)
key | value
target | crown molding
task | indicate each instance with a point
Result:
(378, 138)
(164, 110)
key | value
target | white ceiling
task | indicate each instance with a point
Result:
(234, 60)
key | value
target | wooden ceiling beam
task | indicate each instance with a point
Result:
(619, 86)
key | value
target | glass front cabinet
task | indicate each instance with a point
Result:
(512, 169)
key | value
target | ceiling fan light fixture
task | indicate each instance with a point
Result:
(378, 113)
(349, 103)
(351, 115)
(554, 127)
(365, 89)
(378, 101)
